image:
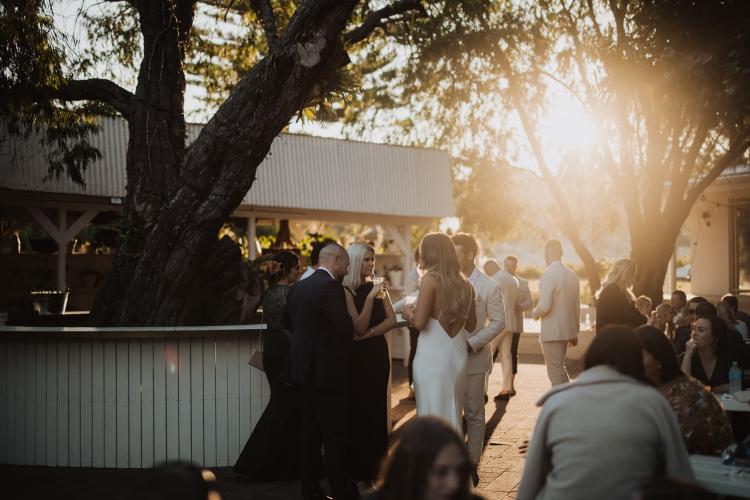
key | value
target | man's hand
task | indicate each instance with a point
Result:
(573, 342)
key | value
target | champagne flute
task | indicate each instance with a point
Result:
(378, 281)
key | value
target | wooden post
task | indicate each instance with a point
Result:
(62, 234)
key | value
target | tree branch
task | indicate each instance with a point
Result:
(376, 18)
(730, 157)
(95, 89)
(264, 11)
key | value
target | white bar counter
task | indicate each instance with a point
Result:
(128, 397)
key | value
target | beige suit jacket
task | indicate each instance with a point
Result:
(490, 322)
(559, 303)
(523, 302)
(510, 288)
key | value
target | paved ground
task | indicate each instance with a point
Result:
(500, 469)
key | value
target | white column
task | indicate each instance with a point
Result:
(62, 248)
(671, 279)
(251, 238)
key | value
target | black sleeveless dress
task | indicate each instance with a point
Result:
(370, 368)
(272, 453)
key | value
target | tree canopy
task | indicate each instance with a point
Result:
(664, 81)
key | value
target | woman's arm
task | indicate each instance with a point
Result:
(387, 324)
(687, 357)
(420, 316)
(361, 319)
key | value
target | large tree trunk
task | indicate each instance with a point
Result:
(651, 248)
(173, 213)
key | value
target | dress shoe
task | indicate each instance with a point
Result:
(474, 475)
(321, 496)
(412, 396)
(503, 396)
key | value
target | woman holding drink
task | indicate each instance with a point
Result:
(373, 316)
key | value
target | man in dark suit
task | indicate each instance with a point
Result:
(322, 332)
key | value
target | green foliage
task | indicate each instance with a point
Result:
(31, 61)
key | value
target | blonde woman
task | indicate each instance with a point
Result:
(443, 313)
(615, 304)
(370, 363)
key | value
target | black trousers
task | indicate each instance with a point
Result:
(514, 350)
(413, 336)
(325, 419)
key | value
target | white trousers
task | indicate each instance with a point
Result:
(506, 359)
(474, 415)
(554, 357)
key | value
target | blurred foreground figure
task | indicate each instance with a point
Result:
(178, 481)
(605, 434)
(429, 462)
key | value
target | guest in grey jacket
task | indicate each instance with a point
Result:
(607, 433)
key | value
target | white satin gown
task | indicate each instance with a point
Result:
(440, 373)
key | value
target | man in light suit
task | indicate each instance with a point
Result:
(559, 307)
(490, 322)
(521, 302)
(509, 288)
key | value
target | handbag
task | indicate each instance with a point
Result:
(256, 357)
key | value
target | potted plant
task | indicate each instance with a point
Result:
(395, 275)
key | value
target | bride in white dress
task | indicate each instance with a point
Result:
(443, 314)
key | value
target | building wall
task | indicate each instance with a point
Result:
(709, 228)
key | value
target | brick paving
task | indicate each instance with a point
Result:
(509, 424)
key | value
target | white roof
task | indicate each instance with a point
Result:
(301, 173)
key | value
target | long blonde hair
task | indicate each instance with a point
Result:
(357, 253)
(622, 275)
(438, 257)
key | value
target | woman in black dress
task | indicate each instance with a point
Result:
(272, 451)
(616, 303)
(370, 366)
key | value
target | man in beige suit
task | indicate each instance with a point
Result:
(559, 307)
(490, 322)
(509, 287)
(523, 303)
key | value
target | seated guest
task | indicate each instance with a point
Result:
(662, 320)
(725, 312)
(734, 304)
(576, 452)
(679, 305)
(682, 334)
(707, 357)
(429, 462)
(705, 428)
(644, 305)
(615, 302)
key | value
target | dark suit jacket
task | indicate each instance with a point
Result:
(614, 307)
(322, 332)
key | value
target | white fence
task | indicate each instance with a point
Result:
(129, 399)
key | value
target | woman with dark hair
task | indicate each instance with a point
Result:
(272, 451)
(706, 355)
(705, 428)
(430, 462)
(616, 303)
(606, 433)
